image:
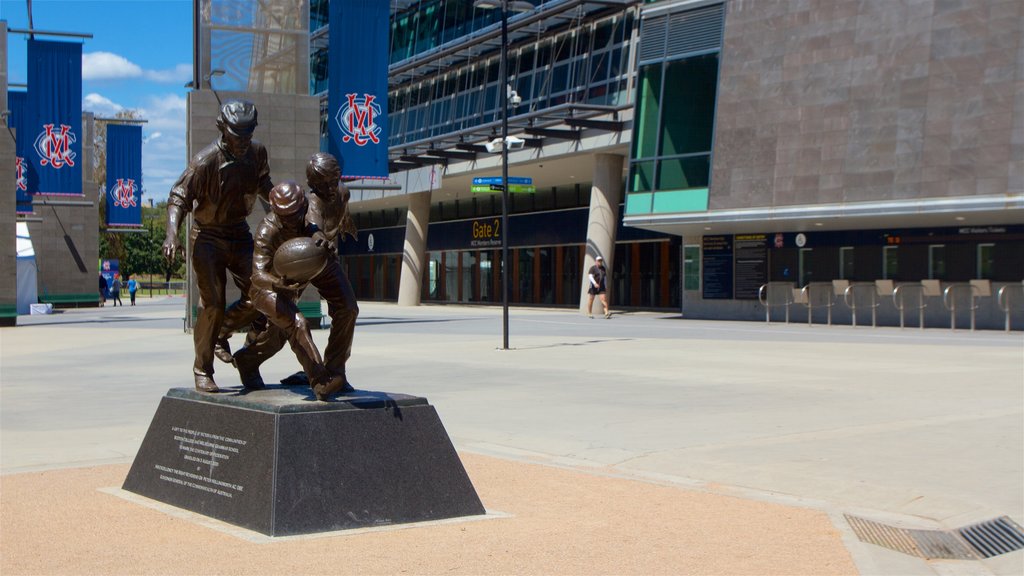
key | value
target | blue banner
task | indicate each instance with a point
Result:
(124, 175)
(16, 102)
(358, 87)
(54, 117)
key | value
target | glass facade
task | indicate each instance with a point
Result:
(260, 46)
(578, 62)
(587, 64)
(672, 145)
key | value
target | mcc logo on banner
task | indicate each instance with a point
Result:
(124, 175)
(16, 102)
(53, 118)
(358, 87)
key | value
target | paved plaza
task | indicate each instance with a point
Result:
(916, 429)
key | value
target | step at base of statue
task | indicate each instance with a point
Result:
(279, 462)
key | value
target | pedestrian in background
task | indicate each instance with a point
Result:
(103, 290)
(133, 286)
(115, 290)
(597, 276)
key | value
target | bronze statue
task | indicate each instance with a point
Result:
(328, 219)
(219, 187)
(275, 295)
(328, 212)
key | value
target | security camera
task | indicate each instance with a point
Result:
(515, 99)
(513, 144)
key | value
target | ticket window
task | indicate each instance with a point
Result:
(806, 266)
(890, 262)
(936, 261)
(846, 263)
(986, 261)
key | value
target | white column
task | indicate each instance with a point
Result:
(414, 254)
(603, 220)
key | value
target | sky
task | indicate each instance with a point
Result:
(139, 58)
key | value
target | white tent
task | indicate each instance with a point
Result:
(26, 265)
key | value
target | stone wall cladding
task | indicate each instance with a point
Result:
(8, 248)
(851, 100)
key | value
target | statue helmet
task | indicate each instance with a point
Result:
(237, 117)
(287, 198)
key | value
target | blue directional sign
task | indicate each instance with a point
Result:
(497, 180)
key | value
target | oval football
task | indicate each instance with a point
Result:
(299, 260)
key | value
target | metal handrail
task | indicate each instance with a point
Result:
(850, 291)
(807, 298)
(897, 300)
(950, 303)
(1003, 300)
(764, 294)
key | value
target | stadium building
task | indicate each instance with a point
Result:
(728, 158)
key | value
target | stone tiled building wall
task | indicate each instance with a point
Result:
(8, 249)
(289, 127)
(851, 100)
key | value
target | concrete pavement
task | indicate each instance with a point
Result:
(923, 429)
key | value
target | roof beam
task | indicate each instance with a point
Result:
(609, 125)
(471, 147)
(421, 160)
(556, 134)
(399, 166)
(452, 154)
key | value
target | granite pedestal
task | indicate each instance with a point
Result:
(281, 463)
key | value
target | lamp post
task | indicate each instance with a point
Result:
(503, 92)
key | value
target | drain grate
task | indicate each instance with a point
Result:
(929, 544)
(974, 542)
(994, 537)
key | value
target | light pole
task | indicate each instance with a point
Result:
(503, 91)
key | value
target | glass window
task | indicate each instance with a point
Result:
(544, 54)
(451, 276)
(691, 267)
(560, 78)
(806, 269)
(891, 263)
(544, 199)
(986, 261)
(433, 276)
(571, 275)
(468, 275)
(524, 283)
(687, 125)
(318, 14)
(486, 276)
(647, 111)
(684, 173)
(547, 275)
(641, 178)
(937, 262)
(603, 34)
(846, 269)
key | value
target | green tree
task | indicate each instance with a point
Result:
(141, 252)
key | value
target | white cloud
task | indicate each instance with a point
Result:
(110, 66)
(107, 66)
(100, 105)
(180, 73)
(163, 150)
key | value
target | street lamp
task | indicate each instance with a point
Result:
(504, 6)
